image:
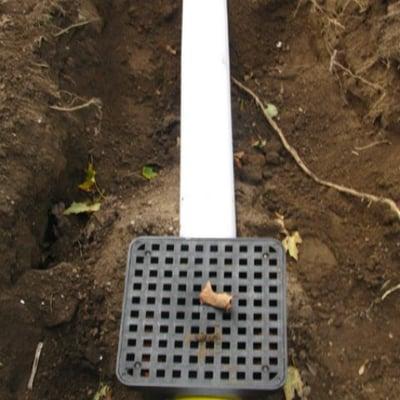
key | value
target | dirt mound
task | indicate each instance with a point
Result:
(362, 38)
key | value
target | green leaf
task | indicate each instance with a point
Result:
(149, 172)
(81, 208)
(293, 384)
(271, 110)
(90, 179)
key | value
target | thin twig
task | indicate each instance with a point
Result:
(73, 26)
(373, 144)
(293, 152)
(91, 102)
(35, 365)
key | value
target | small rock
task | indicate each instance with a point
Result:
(273, 146)
(389, 218)
(273, 158)
(92, 354)
(255, 160)
(63, 313)
(169, 121)
(98, 295)
(267, 173)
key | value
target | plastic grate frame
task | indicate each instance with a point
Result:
(168, 340)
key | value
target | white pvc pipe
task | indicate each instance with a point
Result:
(207, 203)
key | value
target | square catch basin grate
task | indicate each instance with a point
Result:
(169, 340)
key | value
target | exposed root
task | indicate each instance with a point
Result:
(334, 52)
(331, 20)
(373, 144)
(375, 110)
(362, 5)
(299, 5)
(293, 152)
(367, 65)
(92, 102)
(74, 26)
(335, 63)
(390, 291)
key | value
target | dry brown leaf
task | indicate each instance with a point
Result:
(291, 243)
(293, 385)
(222, 301)
(103, 393)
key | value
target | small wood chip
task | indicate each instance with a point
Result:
(222, 301)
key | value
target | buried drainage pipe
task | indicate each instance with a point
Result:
(162, 311)
(207, 199)
(207, 196)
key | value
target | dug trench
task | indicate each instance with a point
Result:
(62, 277)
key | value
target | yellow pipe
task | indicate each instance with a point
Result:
(207, 398)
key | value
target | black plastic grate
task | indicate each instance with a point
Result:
(169, 340)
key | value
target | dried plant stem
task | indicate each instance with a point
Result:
(293, 152)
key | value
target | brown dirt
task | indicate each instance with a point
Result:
(69, 272)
